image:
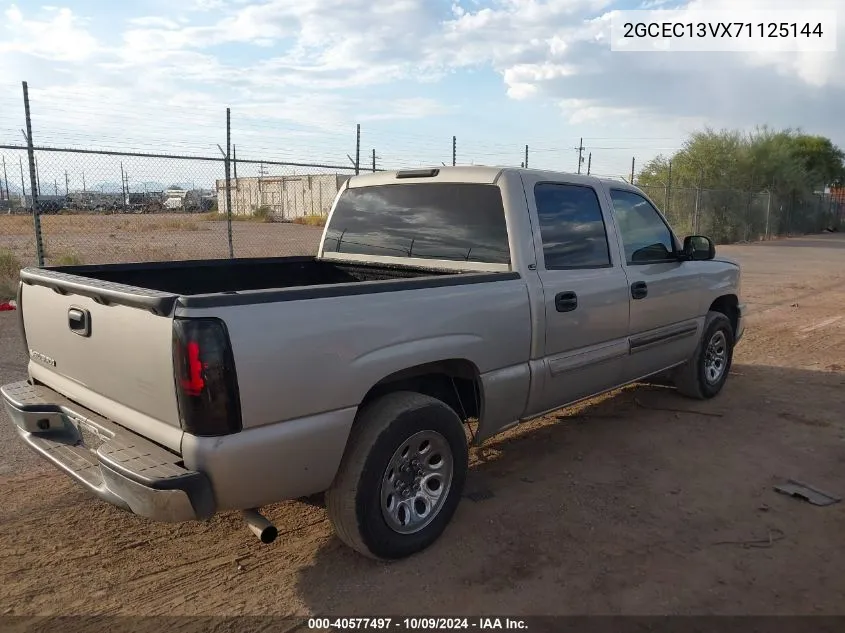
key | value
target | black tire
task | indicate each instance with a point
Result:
(354, 501)
(691, 378)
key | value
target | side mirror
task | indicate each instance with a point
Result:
(698, 248)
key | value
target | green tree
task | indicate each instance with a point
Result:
(721, 177)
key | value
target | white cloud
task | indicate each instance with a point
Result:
(315, 60)
(413, 108)
(154, 21)
(59, 35)
(560, 51)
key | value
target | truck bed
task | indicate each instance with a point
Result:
(202, 277)
(159, 286)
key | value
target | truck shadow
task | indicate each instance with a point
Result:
(643, 502)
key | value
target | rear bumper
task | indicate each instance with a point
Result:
(113, 463)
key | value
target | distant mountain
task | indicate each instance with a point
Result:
(14, 190)
(105, 187)
(137, 187)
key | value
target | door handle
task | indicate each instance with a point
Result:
(639, 290)
(566, 301)
(79, 321)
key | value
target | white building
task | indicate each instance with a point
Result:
(289, 197)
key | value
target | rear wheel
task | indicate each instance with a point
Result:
(704, 375)
(401, 478)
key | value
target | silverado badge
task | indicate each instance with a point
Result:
(41, 358)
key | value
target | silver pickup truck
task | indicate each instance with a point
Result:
(176, 390)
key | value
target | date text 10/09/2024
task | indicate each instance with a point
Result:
(417, 624)
(722, 29)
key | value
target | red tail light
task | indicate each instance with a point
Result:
(206, 382)
(194, 383)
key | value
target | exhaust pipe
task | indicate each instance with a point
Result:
(260, 526)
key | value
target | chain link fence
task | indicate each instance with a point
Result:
(109, 207)
(730, 215)
(62, 206)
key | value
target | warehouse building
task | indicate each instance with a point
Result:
(289, 197)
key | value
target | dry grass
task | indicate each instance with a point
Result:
(10, 268)
(16, 225)
(312, 220)
(262, 214)
(68, 259)
(94, 223)
(167, 224)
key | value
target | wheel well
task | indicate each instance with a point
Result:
(728, 305)
(456, 382)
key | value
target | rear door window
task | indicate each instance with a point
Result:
(452, 221)
(571, 227)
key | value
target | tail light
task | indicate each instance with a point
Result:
(206, 382)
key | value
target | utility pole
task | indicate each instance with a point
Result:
(589, 162)
(55, 186)
(37, 177)
(580, 149)
(526, 157)
(67, 184)
(633, 162)
(454, 150)
(84, 188)
(235, 166)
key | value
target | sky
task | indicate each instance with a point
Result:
(298, 75)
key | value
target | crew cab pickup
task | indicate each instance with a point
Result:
(438, 298)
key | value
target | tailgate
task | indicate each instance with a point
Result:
(106, 346)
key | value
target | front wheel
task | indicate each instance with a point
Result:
(704, 375)
(401, 478)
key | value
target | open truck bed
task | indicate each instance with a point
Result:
(156, 286)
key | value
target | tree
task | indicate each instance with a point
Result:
(822, 160)
(728, 172)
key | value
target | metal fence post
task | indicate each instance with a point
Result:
(229, 182)
(668, 187)
(23, 183)
(6, 180)
(357, 149)
(695, 211)
(33, 182)
(768, 213)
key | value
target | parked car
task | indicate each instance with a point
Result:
(177, 390)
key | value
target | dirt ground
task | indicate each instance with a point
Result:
(641, 502)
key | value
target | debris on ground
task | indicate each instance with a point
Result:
(807, 493)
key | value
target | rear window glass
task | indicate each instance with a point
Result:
(454, 221)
